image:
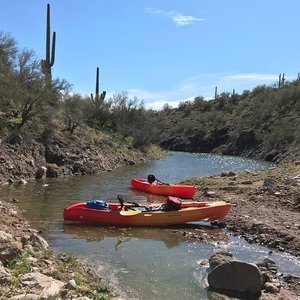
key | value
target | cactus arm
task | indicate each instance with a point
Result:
(53, 49)
(102, 97)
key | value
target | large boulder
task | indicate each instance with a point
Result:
(237, 277)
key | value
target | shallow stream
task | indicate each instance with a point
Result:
(142, 263)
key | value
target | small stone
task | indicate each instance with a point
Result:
(271, 288)
(71, 285)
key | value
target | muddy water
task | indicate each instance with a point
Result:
(142, 263)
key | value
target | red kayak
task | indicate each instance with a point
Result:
(160, 188)
(132, 214)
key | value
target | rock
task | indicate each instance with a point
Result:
(5, 275)
(269, 182)
(291, 279)
(227, 174)
(270, 156)
(16, 140)
(52, 170)
(10, 250)
(29, 249)
(71, 284)
(22, 181)
(51, 290)
(265, 263)
(297, 163)
(5, 237)
(25, 297)
(236, 276)
(38, 241)
(246, 182)
(40, 172)
(271, 288)
(211, 295)
(220, 257)
(51, 286)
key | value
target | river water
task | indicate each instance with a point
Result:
(140, 263)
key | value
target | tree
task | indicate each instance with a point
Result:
(8, 51)
(33, 95)
(74, 112)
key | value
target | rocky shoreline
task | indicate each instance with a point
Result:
(265, 204)
(86, 152)
(265, 208)
(30, 270)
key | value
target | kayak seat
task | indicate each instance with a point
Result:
(173, 203)
(139, 208)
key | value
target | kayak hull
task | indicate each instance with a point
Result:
(190, 211)
(176, 190)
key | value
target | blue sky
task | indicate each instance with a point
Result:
(162, 51)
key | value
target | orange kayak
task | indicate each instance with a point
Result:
(117, 215)
(159, 188)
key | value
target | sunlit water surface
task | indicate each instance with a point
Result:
(142, 263)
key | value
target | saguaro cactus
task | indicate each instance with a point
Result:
(48, 63)
(281, 80)
(98, 98)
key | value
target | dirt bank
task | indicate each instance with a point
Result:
(85, 152)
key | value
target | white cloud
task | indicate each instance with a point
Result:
(155, 99)
(204, 84)
(199, 85)
(178, 18)
(252, 77)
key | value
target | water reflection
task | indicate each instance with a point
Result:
(150, 198)
(170, 236)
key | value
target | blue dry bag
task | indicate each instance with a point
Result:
(97, 204)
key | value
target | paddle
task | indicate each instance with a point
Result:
(121, 201)
(129, 213)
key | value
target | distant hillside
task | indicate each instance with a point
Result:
(263, 123)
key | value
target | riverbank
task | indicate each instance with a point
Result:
(265, 207)
(30, 270)
(85, 152)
